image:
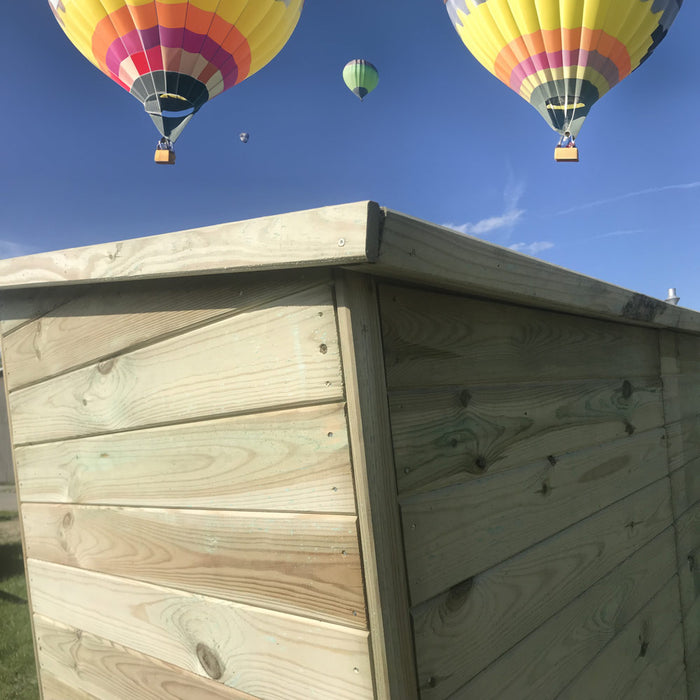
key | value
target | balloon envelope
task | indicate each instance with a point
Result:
(244, 137)
(175, 55)
(361, 77)
(562, 55)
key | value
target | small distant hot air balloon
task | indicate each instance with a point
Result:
(361, 77)
(244, 136)
(561, 56)
(175, 55)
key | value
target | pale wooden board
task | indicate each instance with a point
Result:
(87, 664)
(293, 460)
(539, 667)
(109, 319)
(664, 677)
(302, 564)
(266, 654)
(346, 233)
(435, 339)
(285, 353)
(685, 486)
(653, 636)
(54, 689)
(375, 486)
(457, 634)
(446, 436)
(17, 307)
(454, 533)
(422, 252)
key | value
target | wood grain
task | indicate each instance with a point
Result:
(448, 436)
(93, 667)
(434, 339)
(654, 634)
(347, 233)
(285, 353)
(685, 486)
(296, 563)
(546, 661)
(688, 542)
(459, 633)
(112, 318)
(375, 486)
(454, 533)
(294, 460)
(20, 306)
(266, 654)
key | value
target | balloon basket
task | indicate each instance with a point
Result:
(566, 155)
(165, 156)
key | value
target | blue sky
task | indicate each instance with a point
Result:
(440, 139)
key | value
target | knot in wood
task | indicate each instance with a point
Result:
(67, 520)
(464, 397)
(210, 661)
(480, 464)
(323, 348)
(626, 389)
(458, 594)
(552, 459)
(105, 367)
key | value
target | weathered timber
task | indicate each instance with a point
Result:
(460, 632)
(450, 435)
(454, 533)
(548, 659)
(292, 346)
(294, 460)
(303, 564)
(84, 663)
(263, 653)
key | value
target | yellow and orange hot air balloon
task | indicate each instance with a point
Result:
(175, 55)
(561, 56)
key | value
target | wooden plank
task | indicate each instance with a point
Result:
(664, 676)
(266, 654)
(294, 460)
(435, 339)
(55, 689)
(302, 564)
(543, 664)
(375, 486)
(448, 436)
(459, 633)
(418, 251)
(688, 537)
(346, 233)
(653, 637)
(285, 353)
(454, 533)
(18, 307)
(92, 667)
(689, 353)
(685, 486)
(112, 318)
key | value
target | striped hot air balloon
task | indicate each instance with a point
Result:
(175, 55)
(562, 55)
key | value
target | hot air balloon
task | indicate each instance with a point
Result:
(175, 55)
(244, 136)
(361, 77)
(562, 55)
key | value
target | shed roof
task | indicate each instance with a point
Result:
(362, 235)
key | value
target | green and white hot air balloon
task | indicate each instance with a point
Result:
(361, 77)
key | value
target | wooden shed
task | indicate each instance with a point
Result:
(347, 454)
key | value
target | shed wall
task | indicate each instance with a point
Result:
(535, 493)
(186, 489)
(7, 475)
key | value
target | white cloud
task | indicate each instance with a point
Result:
(630, 195)
(10, 249)
(623, 232)
(531, 248)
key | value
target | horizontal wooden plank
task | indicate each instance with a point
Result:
(346, 233)
(18, 307)
(422, 252)
(447, 436)
(685, 486)
(688, 543)
(54, 689)
(294, 460)
(435, 339)
(653, 636)
(87, 664)
(459, 633)
(454, 533)
(266, 654)
(664, 677)
(285, 353)
(297, 563)
(112, 318)
(545, 662)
